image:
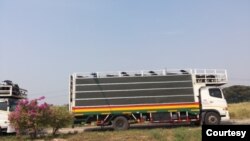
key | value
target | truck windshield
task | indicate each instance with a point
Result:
(215, 92)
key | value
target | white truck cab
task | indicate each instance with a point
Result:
(10, 94)
(213, 105)
(4, 112)
(208, 92)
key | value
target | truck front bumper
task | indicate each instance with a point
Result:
(226, 117)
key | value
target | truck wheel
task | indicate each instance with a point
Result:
(212, 118)
(120, 123)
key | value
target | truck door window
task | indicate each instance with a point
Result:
(215, 93)
(3, 105)
(13, 104)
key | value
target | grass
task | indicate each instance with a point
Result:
(6, 137)
(143, 134)
(187, 134)
(239, 110)
(157, 134)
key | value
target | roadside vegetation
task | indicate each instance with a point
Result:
(31, 118)
(156, 134)
(237, 93)
(238, 97)
(239, 110)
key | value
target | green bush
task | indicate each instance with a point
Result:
(60, 117)
(237, 93)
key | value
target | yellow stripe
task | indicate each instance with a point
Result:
(136, 108)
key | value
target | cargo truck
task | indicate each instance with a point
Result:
(10, 94)
(119, 99)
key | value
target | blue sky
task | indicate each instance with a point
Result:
(42, 42)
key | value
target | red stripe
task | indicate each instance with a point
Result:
(172, 104)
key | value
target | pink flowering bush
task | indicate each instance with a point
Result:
(30, 116)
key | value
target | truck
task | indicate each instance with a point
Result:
(119, 99)
(10, 94)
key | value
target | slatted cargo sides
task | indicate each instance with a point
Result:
(132, 94)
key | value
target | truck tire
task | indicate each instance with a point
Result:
(212, 118)
(120, 123)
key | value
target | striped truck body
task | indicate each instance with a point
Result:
(121, 95)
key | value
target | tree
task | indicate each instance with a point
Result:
(237, 93)
(30, 116)
(60, 117)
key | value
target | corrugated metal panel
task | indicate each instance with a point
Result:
(135, 93)
(132, 86)
(133, 79)
(126, 101)
(134, 90)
